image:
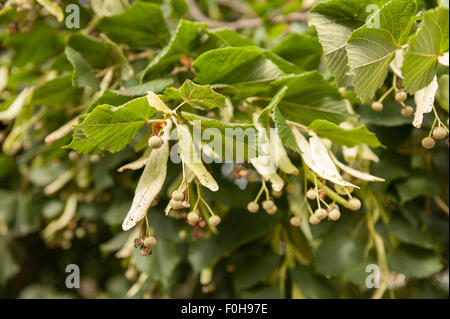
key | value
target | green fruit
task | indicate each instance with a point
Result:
(439, 132)
(273, 210)
(268, 204)
(377, 106)
(253, 207)
(193, 217)
(155, 142)
(428, 143)
(214, 220)
(320, 213)
(175, 204)
(178, 196)
(311, 194)
(407, 111)
(401, 96)
(145, 251)
(295, 221)
(150, 241)
(314, 220)
(354, 204)
(334, 214)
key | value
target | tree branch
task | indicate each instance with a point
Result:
(197, 14)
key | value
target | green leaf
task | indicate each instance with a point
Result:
(335, 21)
(424, 48)
(357, 275)
(264, 292)
(199, 96)
(179, 7)
(161, 265)
(442, 94)
(58, 91)
(371, 49)
(141, 25)
(241, 65)
(407, 233)
(336, 253)
(156, 86)
(237, 228)
(79, 142)
(303, 50)
(235, 136)
(40, 43)
(264, 116)
(100, 53)
(231, 38)
(202, 253)
(418, 184)
(310, 97)
(310, 284)
(254, 268)
(284, 131)
(53, 9)
(340, 136)
(111, 98)
(8, 265)
(390, 117)
(414, 262)
(186, 39)
(96, 52)
(112, 128)
(83, 75)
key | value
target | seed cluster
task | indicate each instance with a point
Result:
(332, 212)
(268, 205)
(145, 244)
(436, 133)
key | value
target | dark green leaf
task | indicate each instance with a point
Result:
(141, 25)
(340, 136)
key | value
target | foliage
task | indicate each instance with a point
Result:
(80, 107)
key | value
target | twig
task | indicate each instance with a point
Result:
(440, 203)
(198, 15)
(291, 17)
(298, 126)
(238, 6)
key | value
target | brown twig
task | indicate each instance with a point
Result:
(440, 203)
(198, 15)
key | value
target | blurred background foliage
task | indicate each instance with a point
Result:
(245, 259)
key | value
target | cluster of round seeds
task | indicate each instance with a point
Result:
(194, 218)
(268, 205)
(400, 96)
(320, 214)
(177, 201)
(146, 244)
(438, 134)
